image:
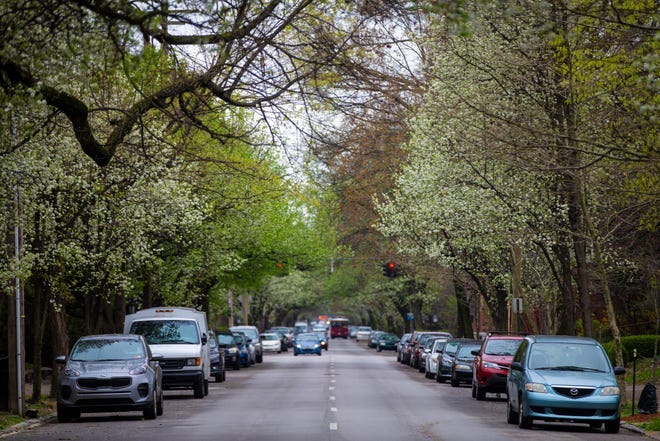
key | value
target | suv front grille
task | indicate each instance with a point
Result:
(97, 383)
(171, 363)
(574, 391)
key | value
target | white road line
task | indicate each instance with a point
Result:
(333, 426)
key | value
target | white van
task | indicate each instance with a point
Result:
(180, 335)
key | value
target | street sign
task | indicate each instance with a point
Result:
(517, 305)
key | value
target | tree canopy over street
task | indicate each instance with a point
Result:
(278, 153)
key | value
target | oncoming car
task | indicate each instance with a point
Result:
(307, 343)
(109, 373)
(563, 379)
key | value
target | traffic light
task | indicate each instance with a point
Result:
(390, 269)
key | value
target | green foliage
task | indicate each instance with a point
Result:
(644, 344)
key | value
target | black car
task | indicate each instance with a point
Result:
(227, 343)
(461, 368)
(217, 358)
(445, 361)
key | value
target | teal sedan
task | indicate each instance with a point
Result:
(563, 379)
(387, 342)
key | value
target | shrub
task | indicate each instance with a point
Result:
(645, 345)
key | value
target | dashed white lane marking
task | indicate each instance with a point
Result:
(333, 426)
(333, 409)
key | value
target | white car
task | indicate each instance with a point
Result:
(270, 342)
(363, 333)
(432, 357)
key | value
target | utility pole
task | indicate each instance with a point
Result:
(15, 344)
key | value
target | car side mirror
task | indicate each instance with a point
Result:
(516, 366)
(619, 370)
(205, 339)
(61, 359)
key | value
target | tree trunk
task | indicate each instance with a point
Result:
(59, 338)
(463, 324)
(566, 310)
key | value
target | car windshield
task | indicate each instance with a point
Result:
(502, 347)
(239, 340)
(269, 337)
(159, 332)
(250, 332)
(364, 329)
(303, 337)
(439, 346)
(225, 339)
(465, 352)
(451, 347)
(568, 356)
(107, 350)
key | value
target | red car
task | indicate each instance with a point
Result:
(491, 364)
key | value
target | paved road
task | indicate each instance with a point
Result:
(350, 393)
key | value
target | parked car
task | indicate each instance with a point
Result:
(271, 342)
(245, 358)
(373, 339)
(286, 335)
(445, 361)
(227, 343)
(363, 333)
(461, 368)
(307, 343)
(491, 364)
(424, 353)
(418, 345)
(400, 346)
(433, 356)
(387, 342)
(217, 356)
(352, 331)
(561, 378)
(253, 335)
(110, 372)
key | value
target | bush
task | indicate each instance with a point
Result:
(645, 345)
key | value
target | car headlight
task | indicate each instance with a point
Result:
(610, 390)
(232, 350)
(535, 387)
(194, 361)
(71, 373)
(490, 365)
(316, 345)
(463, 367)
(298, 346)
(138, 370)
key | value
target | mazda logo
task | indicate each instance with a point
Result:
(574, 391)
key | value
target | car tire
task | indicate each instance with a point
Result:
(612, 426)
(260, 358)
(206, 387)
(320, 353)
(150, 412)
(379, 349)
(198, 389)
(454, 383)
(474, 390)
(159, 403)
(237, 366)
(511, 415)
(295, 354)
(480, 394)
(65, 415)
(524, 422)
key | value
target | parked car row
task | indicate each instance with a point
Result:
(545, 378)
(160, 349)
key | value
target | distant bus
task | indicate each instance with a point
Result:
(339, 327)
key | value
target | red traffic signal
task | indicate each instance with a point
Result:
(390, 269)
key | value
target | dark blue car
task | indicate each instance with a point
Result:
(243, 351)
(307, 343)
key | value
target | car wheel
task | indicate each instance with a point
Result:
(481, 394)
(206, 387)
(65, 415)
(260, 358)
(474, 390)
(237, 366)
(438, 377)
(320, 353)
(511, 415)
(612, 426)
(454, 383)
(159, 403)
(198, 389)
(421, 367)
(524, 422)
(295, 354)
(150, 412)
(379, 349)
